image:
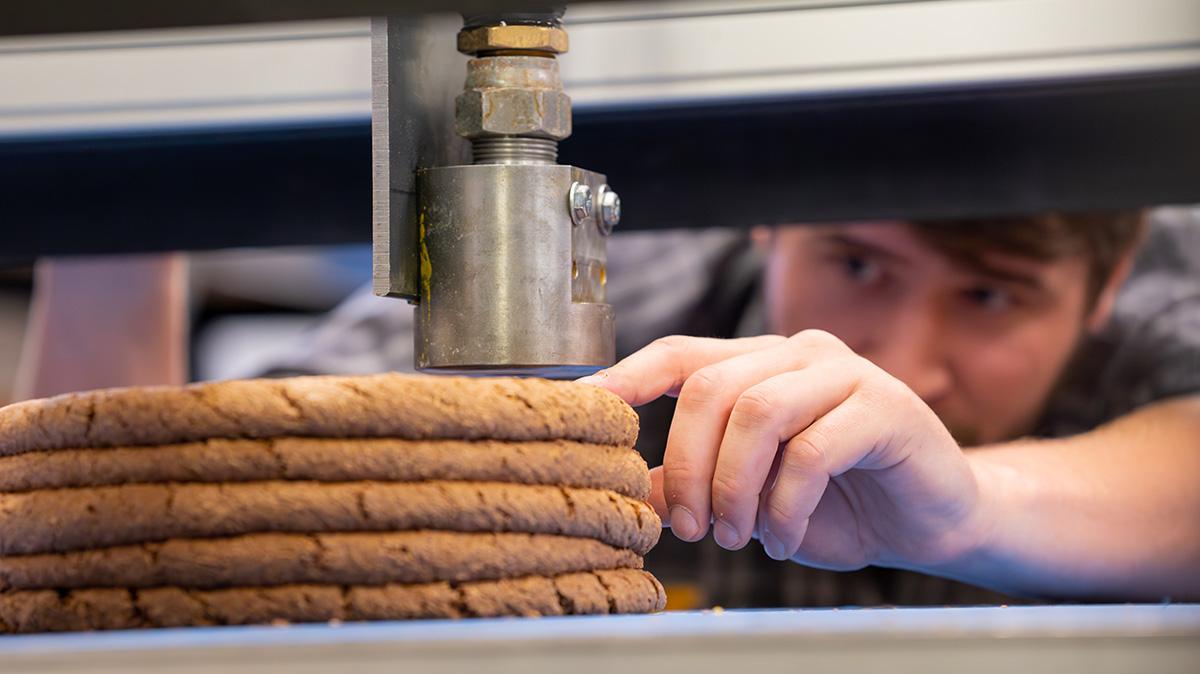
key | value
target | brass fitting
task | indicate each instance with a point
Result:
(516, 38)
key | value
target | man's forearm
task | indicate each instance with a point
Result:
(1114, 513)
(99, 322)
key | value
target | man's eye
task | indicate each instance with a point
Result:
(992, 299)
(861, 269)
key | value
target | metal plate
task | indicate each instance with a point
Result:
(414, 78)
(1061, 639)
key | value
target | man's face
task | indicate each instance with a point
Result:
(983, 347)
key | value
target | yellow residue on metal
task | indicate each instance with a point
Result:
(426, 267)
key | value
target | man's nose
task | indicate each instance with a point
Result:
(914, 350)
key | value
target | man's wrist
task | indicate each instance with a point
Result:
(981, 551)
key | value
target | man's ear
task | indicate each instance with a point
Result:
(1106, 299)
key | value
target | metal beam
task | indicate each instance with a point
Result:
(27, 17)
(1087, 144)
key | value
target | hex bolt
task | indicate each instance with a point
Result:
(610, 209)
(580, 202)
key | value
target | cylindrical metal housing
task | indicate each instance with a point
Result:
(509, 284)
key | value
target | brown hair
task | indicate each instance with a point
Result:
(1102, 236)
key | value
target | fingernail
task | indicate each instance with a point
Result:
(725, 535)
(684, 524)
(772, 545)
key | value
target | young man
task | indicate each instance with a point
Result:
(839, 445)
(837, 441)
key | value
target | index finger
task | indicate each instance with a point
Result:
(661, 367)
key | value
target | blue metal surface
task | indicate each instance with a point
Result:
(1000, 622)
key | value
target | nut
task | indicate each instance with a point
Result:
(522, 38)
(579, 201)
(513, 96)
(513, 112)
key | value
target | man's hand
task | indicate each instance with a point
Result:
(821, 455)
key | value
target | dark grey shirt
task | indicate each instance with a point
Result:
(706, 283)
(1150, 350)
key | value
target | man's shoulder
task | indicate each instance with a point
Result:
(679, 282)
(1151, 348)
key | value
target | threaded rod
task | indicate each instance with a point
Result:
(514, 150)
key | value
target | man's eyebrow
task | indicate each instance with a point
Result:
(851, 241)
(975, 265)
(982, 268)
